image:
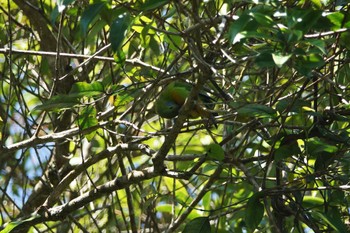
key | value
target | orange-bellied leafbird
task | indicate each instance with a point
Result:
(174, 96)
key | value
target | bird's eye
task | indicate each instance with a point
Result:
(170, 106)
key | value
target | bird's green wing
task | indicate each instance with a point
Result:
(165, 105)
(174, 96)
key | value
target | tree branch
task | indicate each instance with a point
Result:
(133, 61)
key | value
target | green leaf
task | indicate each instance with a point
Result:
(207, 199)
(318, 3)
(119, 57)
(305, 64)
(280, 59)
(319, 44)
(291, 104)
(152, 4)
(286, 151)
(58, 103)
(84, 89)
(262, 19)
(288, 36)
(89, 15)
(312, 202)
(323, 161)
(216, 152)
(265, 60)
(309, 21)
(292, 36)
(337, 136)
(314, 146)
(175, 41)
(256, 35)
(237, 27)
(304, 19)
(164, 208)
(336, 18)
(154, 46)
(343, 75)
(9, 227)
(335, 223)
(257, 110)
(123, 99)
(85, 116)
(254, 212)
(198, 225)
(54, 14)
(119, 29)
(337, 198)
(86, 119)
(182, 195)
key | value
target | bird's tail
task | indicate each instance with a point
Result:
(207, 113)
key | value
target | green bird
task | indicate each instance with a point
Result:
(174, 96)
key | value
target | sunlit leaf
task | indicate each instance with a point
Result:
(123, 99)
(180, 190)
(175, 41)
(209, 168)
(84, 89)
(166, 208)
(207, 199)
(312, 202)
(9, 227)
(336, 18)
(318, 3)
(280, 59)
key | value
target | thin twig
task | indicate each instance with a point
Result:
(133, 61)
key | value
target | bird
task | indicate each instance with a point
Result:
(174, 96)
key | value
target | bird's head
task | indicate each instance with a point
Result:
(167, 109)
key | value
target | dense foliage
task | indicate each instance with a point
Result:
(83, 149)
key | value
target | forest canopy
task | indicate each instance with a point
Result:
(174, 116)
